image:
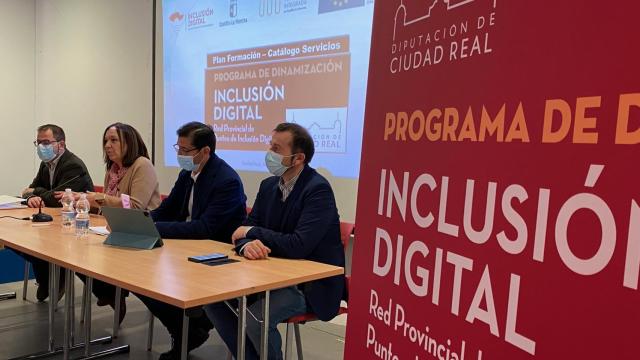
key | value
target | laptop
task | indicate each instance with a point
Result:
(131, 228)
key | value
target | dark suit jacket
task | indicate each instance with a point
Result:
(69, 167)
(219, 204)
(305, 226)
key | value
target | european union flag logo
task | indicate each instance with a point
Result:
(335, 5)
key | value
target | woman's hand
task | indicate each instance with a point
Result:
(91, 196)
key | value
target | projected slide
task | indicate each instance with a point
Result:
(245, 66)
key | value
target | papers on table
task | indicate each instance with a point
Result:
(100, 230)
(6, 199)
(12, 206)
(10, 202)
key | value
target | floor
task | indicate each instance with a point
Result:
(24, 330)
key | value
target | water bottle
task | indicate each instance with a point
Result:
(68, 213)
(82, 216)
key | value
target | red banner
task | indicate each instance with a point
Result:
(499, 201)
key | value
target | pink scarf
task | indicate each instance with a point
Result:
(116, 173)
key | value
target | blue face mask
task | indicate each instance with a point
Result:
(186, 162)
(274, 163)
(46, 152)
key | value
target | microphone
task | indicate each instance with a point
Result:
(44, 217)
(40, 216)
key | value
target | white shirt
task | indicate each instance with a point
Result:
(51, 165)
(195, 178)
(287, 187)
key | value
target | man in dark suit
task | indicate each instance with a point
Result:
(206, 202)
(59, 169)
(294, 216)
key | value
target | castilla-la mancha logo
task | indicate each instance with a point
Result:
(418, 44)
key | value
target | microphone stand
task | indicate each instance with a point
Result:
(44, 217)
(40, 216)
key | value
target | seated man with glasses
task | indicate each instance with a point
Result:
(207, 202)
(294, 216)
(59, 169)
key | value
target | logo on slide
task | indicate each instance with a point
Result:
(294, 5)
(176, 17)
(334, 5)
(233, 8)
(270, 7)
(198, 18)
(418, 44)
(233, 18)
(176, 20)
(327, 127)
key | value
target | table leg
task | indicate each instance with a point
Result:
(52, 304)
(54, 276)
(67, 314)
(87, 315)
(71, 293)
(87, 329)
(242, 327)
(84, 304)
(264, 336)
(68, 326)
(150, 332)
(116, 312)
(53, 295)
(185, 335)
(25, 282)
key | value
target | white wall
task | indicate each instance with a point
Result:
(93, 68)
(17, 91)
(81, 64)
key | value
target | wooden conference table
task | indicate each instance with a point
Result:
(163, 273)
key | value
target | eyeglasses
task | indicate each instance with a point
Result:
(178, 148)
(43, 142)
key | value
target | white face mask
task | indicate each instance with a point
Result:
(274, 163)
